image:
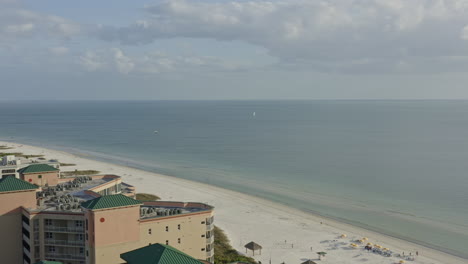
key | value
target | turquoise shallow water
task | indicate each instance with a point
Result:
(398, 167)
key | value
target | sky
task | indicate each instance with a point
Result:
(241, 50)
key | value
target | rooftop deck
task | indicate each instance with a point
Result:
(71, 192)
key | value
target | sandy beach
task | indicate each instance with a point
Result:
(286, 235)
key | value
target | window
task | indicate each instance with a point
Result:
(167, 242)
(9, 171)
(202, 235)
(48, 235)
(51, 248)
(86, 236)
(86, 223)
(203, 249)
(167, 229)
(178, 227)
(149, 231)
(203, 222)
(48, 222)
(39, 176)
(79, 223)
(81, 250)
(178, 240)
(79, 237)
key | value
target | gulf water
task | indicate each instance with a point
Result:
(397, 167)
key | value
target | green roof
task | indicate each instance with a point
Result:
(48, 262)
(10, 184)
(110, 201)
(37, 168)
(158, 254)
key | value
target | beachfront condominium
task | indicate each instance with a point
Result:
(92, 220)
(11, 165)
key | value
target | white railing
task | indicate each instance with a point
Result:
(210, 240)
(209, 253)
(26, 226)
(25, 238)
(64, 229)
(64, 242)
(26, 251)
(72, 256)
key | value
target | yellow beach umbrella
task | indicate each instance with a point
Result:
(369, 244)
(361, 241)
(343, 235)
(365, 238)
(386, 249)
(402, 261)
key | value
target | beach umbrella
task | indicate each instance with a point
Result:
(309, 262)
(253, 246)
(369, 244)
(343, 235)
(365, 238)
(386, 249)
(402, 261)
(321, 254)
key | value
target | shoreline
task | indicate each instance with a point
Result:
(233, 214)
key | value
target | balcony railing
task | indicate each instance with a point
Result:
(64, 242)
(210, 240)
(209, 226)
(209, 253)
(67, 256)
(65, 229)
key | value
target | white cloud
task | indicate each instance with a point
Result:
(123, 63)
(464, 33)
(117, 60)
(18, 22)
(92, 61)
(19, 28)
(328, 35)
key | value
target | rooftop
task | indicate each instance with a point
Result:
(158, 254)
(10, 184)
(163, 209)
(110, 201)
(36, 168)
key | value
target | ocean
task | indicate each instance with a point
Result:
(397, 167)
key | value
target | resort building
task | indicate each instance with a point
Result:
(92, 220)
(10, 165)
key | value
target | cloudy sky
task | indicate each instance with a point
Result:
(216, 49)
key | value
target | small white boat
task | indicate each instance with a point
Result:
(156, 132)
(253, 114)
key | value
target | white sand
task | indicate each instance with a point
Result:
(246, 218)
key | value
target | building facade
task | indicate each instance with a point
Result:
(10, 165)
(94, 219)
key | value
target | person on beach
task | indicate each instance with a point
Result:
(417, 253)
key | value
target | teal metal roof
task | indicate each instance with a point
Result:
(10, 184)
(158, 254)
(36, 168)
(48, 262)
(110, 201)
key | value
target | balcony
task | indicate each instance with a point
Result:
(209, 226)
(76, 243)
(210, 240)
(209, 253)
(65, 256)
(64, 229)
